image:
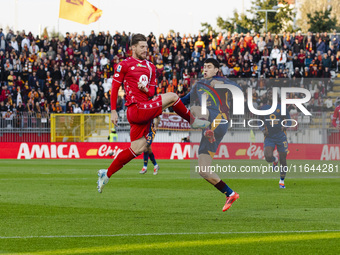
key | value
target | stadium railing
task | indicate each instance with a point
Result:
(33, 127)
(80, 127)
(25, 127)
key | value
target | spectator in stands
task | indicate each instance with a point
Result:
(3, 43)
(20, 107)
(281, 59)
(62, 100)
(261, 44)
(77, 109)
(326, 61)
(69, 108)
(68, 66)
(68, 92)
(320, 46)
(87, 105)
(328, 104)
(74, 87)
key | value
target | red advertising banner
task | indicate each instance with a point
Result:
(173, 121)
(161, 150)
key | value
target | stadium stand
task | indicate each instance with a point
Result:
(41, 76)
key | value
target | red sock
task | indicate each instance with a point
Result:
(182, 111)
(122, 158)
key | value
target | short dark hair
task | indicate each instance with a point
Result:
(136, 38)
(212, 61)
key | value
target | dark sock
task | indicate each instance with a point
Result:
(283, 172)
(224, 188)
(152, 158)
(146, 158)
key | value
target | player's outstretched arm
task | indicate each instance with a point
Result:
(114, 117)
(116, 82)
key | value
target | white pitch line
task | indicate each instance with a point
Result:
(165, 234)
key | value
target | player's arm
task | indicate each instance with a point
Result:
(116, 82)
(156, 122)
(192, 96)
(288, 122)
(153, 83)
(151, 87)
(263, 128)
(149, 90)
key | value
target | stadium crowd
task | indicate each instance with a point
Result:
(74, 75)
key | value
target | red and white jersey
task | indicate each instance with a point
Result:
(131, 71)
(336, 115)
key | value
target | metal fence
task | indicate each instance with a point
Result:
(80, 127)
(32, 127)
(24, 127)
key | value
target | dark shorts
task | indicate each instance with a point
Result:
(207, 147)
(280, 141)
(151, 135)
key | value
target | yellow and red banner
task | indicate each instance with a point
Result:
(80, 11)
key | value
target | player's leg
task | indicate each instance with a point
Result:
(172, 99)
(206, 153)
(122, 158)
(204, 162)
(145, 160)
(269, 154)
(153, 160)
(282, 148)
(283, 169)
(168, 99)
(137, 148)
(197, 112)
(269, 147)
(140, 121)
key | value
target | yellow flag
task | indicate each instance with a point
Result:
(252, 136)
(80, 11)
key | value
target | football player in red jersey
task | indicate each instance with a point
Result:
(139, 78)
(336, 115)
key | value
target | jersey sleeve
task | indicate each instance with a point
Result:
(153, 82)
(288, 118)
(117, 80)
(119, 73)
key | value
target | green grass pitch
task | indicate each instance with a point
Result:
(53, 207)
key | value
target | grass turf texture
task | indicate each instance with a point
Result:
(53, 207)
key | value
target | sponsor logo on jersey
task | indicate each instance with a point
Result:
(119, 68)
(140, 65)
(144, 79)
(117, 74)
(133, 68)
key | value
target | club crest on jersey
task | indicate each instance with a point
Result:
(144, 79)
(140, 65)
(119, 68)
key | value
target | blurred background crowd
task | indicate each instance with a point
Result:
(74, 74)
